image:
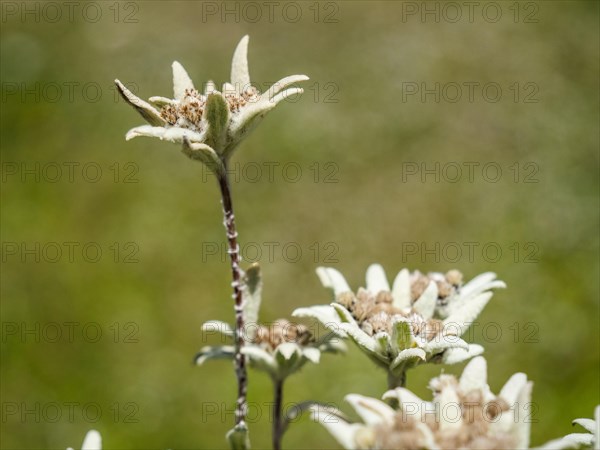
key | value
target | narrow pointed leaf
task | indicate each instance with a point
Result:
(384, 341)
(252, 294)
(376, 279)
(204, 154)
(216, 114)
(459, 321)
(240, 76)
(340, 429)
(344, 314)
(410, 356)
(588, 424)
(371, 411)
(444, 343)
(147, 111)
(333, 279)
(181, 81)
(260, 358)
(425, 304)
(282, 84)
(402, 335)
(401, 290)
(479, 284)
(159, 102)
(325, 314)
(511, 389)
(448, 401)
(312, 354)
(458, 355)
(214, 352)
(363, 340)
(285, 94)
(523, 427)
(474, 376)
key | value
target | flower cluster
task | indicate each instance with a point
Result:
(464, 414)
(279, 349)
(419, 319)
(211, 124)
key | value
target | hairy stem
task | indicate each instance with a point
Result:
(236, 275)
(278, 428)
(395, 381)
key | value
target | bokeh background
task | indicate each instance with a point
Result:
(356, 134)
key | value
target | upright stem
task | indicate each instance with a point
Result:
(234, 256)
(395, 381)
(277, 410)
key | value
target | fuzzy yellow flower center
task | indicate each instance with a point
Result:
(187, 113)
(474, 431)
(280, 332)
(375, 313)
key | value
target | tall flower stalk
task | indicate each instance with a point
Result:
(236, 275)
(210, 126)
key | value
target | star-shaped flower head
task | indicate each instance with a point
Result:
(210, 125)
(419, 319)
(92, 441)
(279, 349)
(591, 439)
(464, 414)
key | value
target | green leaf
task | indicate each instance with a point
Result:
(383, 339)
(287, 354)
(204, 154)
(402, 335)
(239, 437)
(407, 358)
(217, 116)
(146, 110)
(343, 314)
(214, 352)
(261, 359)
(252, 293)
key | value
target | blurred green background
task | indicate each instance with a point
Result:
(156, 217)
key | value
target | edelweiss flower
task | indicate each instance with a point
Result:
(280, 349)
(92, 441)
(580, 440)
(401, 327)
(211, 124)
(464, 414)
